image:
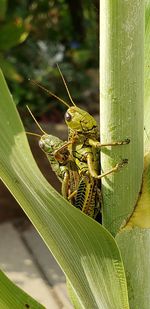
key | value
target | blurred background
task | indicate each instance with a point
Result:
(34, 37)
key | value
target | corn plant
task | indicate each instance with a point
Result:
(106, 266)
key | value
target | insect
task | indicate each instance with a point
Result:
(83, 147)
(80, 191)
(83, 191)
(64, 166)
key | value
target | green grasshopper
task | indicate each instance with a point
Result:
(80, 191)
(83, 147)
(64, 167)
(83, 134)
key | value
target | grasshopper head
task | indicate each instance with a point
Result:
(49, 143)
(79, 120)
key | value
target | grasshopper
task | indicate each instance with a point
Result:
(64, 166)
(80, 191)
(83, 147)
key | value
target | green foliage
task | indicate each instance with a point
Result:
(86, 251)
(13, 32)
(35, 35)
(16, 33)
(122, 85)
(147, 78)
(13, 297)
(3, 6)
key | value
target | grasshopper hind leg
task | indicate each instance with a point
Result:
(98, 206)
(94, 174)
(87, 198)
(65, 185)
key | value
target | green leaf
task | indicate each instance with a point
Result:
(133, 241)
(134, 245)
(12, 34)
(147, 77)
(9, 70)
(3, 8)
(87, 253)
(13, 297)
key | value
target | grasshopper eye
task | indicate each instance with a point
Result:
(68, 117)
(41, 144)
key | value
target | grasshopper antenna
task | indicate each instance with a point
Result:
(35, 122)
(33, 134)
(49, 92)
(65, 85)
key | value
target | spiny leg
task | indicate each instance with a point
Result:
(62, 153)
(65, 185)
(94, 173)
(116, 168)
(97, 144)
(72, 195)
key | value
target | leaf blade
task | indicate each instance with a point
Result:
(13, 297)
(85, 250)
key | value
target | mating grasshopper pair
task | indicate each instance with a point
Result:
(76, 162)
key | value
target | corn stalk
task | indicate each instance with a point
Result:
(126, 198)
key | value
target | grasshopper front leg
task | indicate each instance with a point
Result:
(62, 154)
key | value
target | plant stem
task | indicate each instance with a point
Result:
(121, 105)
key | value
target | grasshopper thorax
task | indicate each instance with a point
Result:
(80, 121)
